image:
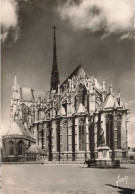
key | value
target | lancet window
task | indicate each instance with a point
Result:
(20, 148)
(11, 148)
(109, 130)
(119, 117)
(65, 136)
(24, 112)
(81, 134)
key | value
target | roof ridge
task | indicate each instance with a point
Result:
(34, 89)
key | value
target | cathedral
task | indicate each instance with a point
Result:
(65, 122)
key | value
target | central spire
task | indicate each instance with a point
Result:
(55, 73)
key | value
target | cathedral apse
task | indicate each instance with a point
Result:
(64, 123)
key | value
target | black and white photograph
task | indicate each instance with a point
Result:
(67, 97)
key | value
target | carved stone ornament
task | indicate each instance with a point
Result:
(81, 121)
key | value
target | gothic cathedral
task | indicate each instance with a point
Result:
(65, 122)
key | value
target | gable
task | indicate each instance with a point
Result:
(19, 129)
(110, 102)
(79, 71)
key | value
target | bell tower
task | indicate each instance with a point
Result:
(55, 74)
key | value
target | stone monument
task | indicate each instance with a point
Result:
(103, 159)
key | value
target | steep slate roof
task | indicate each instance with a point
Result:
(23, 128)
(28, 94)
(40, 93)
(111, 102)
(17, 128)
(80, 71)
(14, 129)
(34, 149)
(77, 72)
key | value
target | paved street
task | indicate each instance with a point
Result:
(73, 179)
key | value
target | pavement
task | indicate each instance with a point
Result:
(66, 179)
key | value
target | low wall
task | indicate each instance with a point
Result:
(46, 162)
(128, 162)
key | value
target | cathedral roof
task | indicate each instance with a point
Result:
(18, 129)
(29, 94)
(34, 149)
(26, 94)
(112, 102)
(14, 129)
(77, 72)
(40, 93)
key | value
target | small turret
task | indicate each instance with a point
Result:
(15, 89)
(103, 90)
(93, 80)
(92, 84)
(58, 89)
(14, 98)
(15, 83)
(103, 86)
(92, 99)
(118, 98)
(110, 89)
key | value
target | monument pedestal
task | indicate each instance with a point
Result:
(103, 159)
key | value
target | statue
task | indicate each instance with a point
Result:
(102, 138)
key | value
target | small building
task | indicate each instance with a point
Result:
(35, 153)
(17, 140)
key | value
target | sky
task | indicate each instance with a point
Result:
(98, 34)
